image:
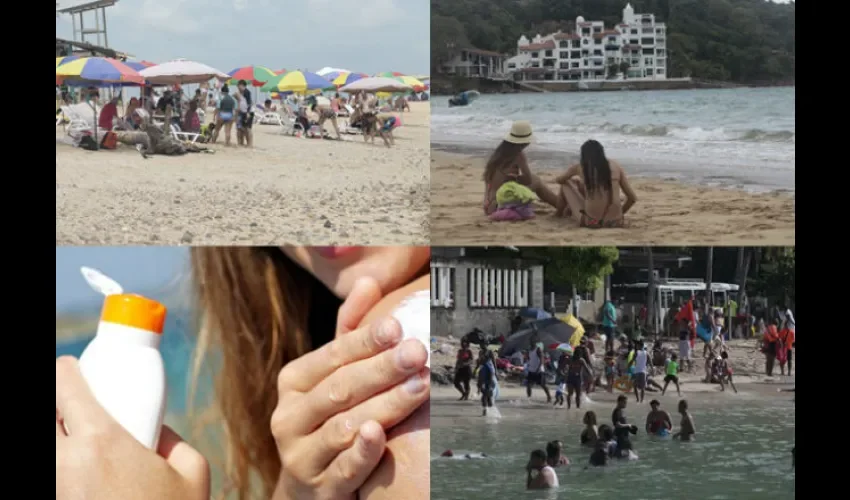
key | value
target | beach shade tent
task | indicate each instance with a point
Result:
(533, 313)
(181, 71)
(297, 81)
(376, 84)
(347, 78)
(257, 76)
(550, 331)
(417, 85)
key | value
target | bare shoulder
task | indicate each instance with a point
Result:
(615, 166)
(386, 306)
(405, 467)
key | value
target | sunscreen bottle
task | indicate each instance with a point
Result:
(123, 366)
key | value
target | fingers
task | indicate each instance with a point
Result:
(364, 295)
(352, 467)
(304, 373)
(190, 464)
(387, 409)
(357, 382)
(80, 412)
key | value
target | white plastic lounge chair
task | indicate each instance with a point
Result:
(288, 123)
(183, 136)
(264, 117)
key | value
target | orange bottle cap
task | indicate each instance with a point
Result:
(134, 311)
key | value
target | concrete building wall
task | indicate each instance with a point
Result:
(460, 319)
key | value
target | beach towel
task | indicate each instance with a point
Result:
(513, 212)
(514, 192)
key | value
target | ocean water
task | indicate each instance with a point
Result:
(741, 138)
(743, 450)
(177, 350)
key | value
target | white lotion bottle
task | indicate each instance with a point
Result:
(123, 365)
(414, 316)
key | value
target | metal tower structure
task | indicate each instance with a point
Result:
(83, 33)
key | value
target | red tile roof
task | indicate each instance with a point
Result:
(481, 52)
(548, 44)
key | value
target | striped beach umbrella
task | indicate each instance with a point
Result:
(297, 81)
(390, 74)
(60, 61)
(417, 85)
(99, 70)
(139, 65)
(256, 75)
(346, 78)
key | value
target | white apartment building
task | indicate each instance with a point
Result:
(639, 41)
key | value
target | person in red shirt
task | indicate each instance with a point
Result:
(463, 369)
(108, 114)
(787, 339)
(769, 345)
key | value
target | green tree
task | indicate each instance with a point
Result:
(584, 268)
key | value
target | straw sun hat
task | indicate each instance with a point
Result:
(520, 133)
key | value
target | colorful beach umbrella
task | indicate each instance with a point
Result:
(417, 85)
(390, 74)
(280, 72)
(139, 65)
(297, 81)
(99, 70)
(60, 61)
(561, 347)
(257, 75)
(346, 78)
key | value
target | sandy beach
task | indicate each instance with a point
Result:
(285, 189)
(666, 212)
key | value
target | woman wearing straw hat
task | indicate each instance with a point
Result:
(508, 163)
(590, 189)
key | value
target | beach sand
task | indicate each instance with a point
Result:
(666, 213)
(285, 189)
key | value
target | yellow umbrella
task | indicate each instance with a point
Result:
(576, 324)
(417, 85)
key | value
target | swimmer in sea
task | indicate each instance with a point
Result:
(466, 456)
(605, 447)
(622, 429)
(555, 454)
(687, 430)
(545, 476)
(590, 433)
(658, 421)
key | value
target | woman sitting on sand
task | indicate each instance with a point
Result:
(590, 189)
(508, 163)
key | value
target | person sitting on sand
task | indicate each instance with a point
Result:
(509, 163)
(590, 433)
(658, 421)
(555, 454)
(191, 120)
(687, 430)
(590, 189)
(545, 476)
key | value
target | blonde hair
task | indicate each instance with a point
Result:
(255, 306)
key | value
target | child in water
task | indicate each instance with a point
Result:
(605, 447)
(590, 435)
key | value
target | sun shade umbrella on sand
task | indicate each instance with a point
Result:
(256, 75)
(139, 65)
(98, 71)
(298, 82)
(550, 331)
(377, 84)
(346, 78)
(181, 71)
(327, 70)
(62, 60)
(417, 85)
(390, 74)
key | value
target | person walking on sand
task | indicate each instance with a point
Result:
(672, 375)
(640, 361)
(769, 343)
(590, 189)
(225, 115)
(487, 381)
(609, 323)
(509, 163)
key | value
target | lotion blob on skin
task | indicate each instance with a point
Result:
(414, 315)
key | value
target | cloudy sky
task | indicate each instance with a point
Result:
(370, 37)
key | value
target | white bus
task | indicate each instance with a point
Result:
(669, 292)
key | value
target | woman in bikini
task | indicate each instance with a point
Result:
(590, 189)
(508, 163)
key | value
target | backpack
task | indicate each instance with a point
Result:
(110, 140)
